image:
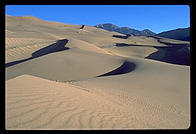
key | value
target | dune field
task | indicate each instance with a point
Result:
(64, 77)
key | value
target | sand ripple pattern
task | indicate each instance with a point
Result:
(54, 105)
(20, 48)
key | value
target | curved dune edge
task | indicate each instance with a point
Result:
(172, 53)
(126, 67)
(55, 47)
(63, 90)
(36, 103)
(178, 55)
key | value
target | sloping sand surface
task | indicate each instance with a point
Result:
(59, 76)
(55, 47)
(71, 64)
(163, 96)
(126, 67)
(45, 104)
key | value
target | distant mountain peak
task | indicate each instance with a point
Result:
(124, 30)
(146, 30)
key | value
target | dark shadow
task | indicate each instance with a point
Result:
(122, 37)
(167, 43)
(17, 62)
(82, 27)
(172, 53)
(176, 55)
(172, 44)
(155, 37)
(56, 47)
(126, 67)
(127, 45)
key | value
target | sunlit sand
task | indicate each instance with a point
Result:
(59, 76)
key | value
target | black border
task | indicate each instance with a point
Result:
(90, 2)
(99, 2)
(2, 59)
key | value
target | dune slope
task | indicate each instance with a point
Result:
(63, 76)
(45, 104)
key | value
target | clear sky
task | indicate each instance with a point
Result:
(157, 18)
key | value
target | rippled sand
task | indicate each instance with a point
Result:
(59, 76)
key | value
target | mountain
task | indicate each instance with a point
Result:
(147, 32)
(124, 30)
(179, 34)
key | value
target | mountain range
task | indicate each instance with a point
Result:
(125, 30)
(179, 34)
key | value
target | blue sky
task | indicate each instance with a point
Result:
(157, 18)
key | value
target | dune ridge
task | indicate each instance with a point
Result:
(126, 67)
(51, 108)
(56, 47)
(65, 77)
(52, 111)
(172, 53)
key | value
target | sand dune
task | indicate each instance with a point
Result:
(21, 48)
(176, 52)
(56, 47)
(172, 53)
(46, 104)
(126, 67)
(62, 76)
(43, 104)
(170, 101)
(71, 64)
(175, 55)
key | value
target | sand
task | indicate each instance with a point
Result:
(59, 76)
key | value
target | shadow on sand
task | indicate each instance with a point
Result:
(122, 37)
(126, 67)
(168, 46)
(172, 53)
(179, 55)
(127, 45)
(56, 47)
